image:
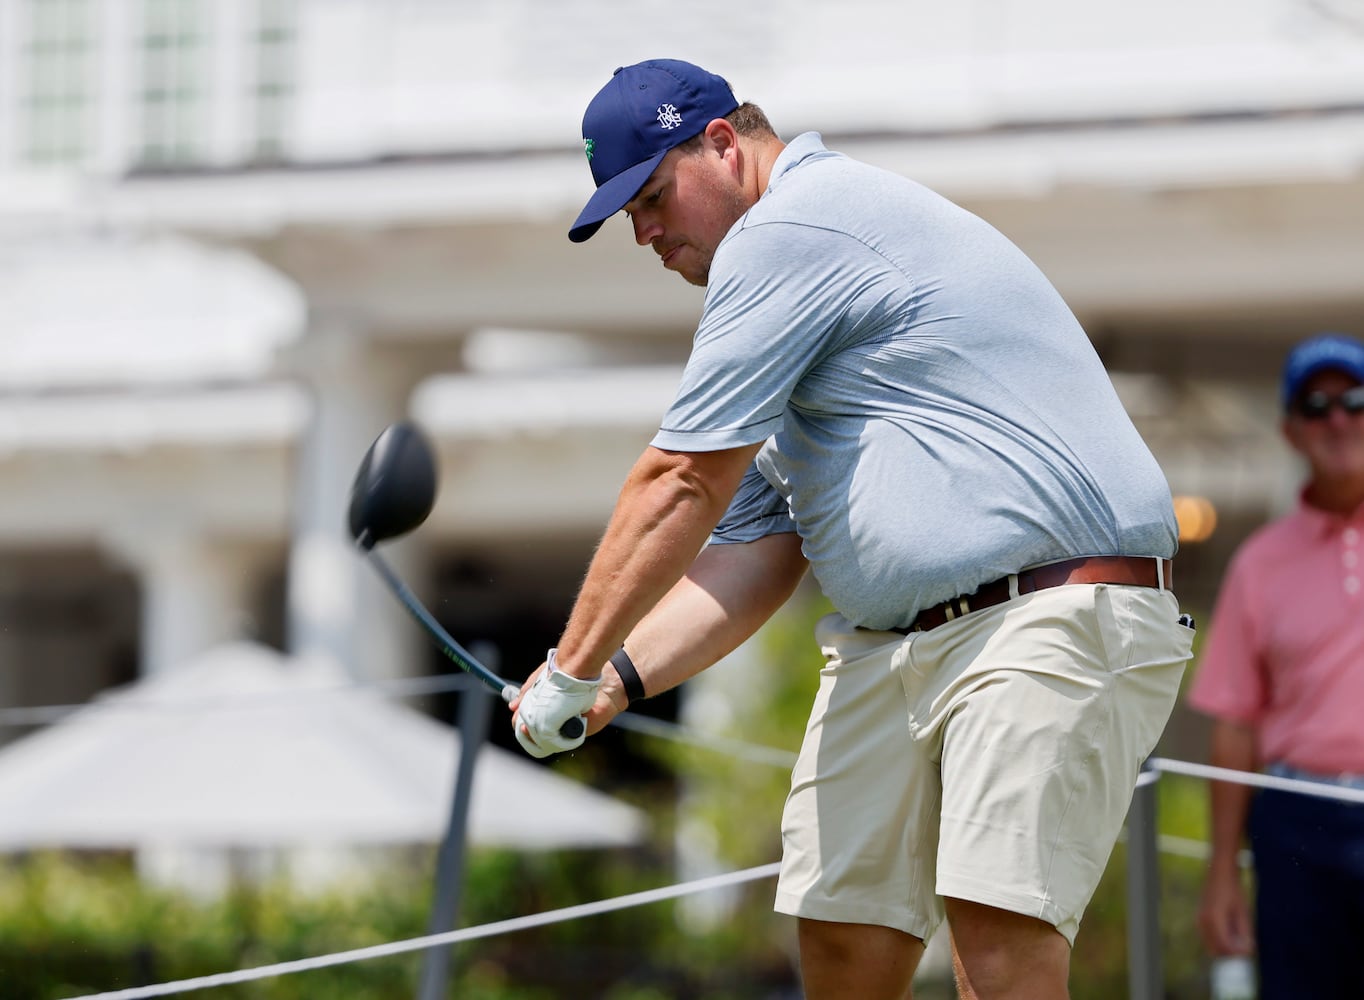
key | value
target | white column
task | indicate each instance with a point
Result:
(230, 24)
(116, 101)
(196, 591)
(338, 609)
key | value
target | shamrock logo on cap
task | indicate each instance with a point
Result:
(588, 146)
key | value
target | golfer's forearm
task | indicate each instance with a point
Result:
(723, 599)
(666, 511)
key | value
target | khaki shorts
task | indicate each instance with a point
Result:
(991, 759)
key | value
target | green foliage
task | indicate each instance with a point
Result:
(73, 926)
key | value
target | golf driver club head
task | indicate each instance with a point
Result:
(395, 486)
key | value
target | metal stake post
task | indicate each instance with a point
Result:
(1145, 971)
(473, 727)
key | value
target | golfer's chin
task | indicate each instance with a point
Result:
(683, 261)
(692, 274)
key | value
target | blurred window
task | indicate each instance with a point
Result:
(274, 48)
(58, 55)
(172, 94)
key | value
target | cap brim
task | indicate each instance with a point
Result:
(611, 197)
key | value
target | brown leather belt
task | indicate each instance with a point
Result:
(1132, 571)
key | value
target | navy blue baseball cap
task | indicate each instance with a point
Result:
(645, 110)
(1333, 351)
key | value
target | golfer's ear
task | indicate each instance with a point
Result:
(723, 142)
(721, 137)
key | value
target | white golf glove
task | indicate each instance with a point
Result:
(552, 700)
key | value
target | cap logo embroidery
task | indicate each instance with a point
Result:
(589, 146)
(668, 117)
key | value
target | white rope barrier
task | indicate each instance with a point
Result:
(1318, 788)
(437, 940)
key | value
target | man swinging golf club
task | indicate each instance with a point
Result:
(884, 390)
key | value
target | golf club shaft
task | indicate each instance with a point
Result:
(461, 657)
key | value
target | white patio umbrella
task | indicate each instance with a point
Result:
(245, 748)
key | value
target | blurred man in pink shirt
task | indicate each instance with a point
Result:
(1282, 675)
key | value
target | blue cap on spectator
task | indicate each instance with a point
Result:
(644, 111)
(1334, 351)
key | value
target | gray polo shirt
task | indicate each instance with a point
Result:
(934, 417)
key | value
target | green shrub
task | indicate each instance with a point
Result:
(71, 926)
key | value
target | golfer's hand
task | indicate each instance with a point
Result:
(1224, 917)
(550, 699)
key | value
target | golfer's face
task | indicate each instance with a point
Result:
(685, 209)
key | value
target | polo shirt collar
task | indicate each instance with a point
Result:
(1327, 522)
(799, 149)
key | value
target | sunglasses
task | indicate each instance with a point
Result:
(1318, 405)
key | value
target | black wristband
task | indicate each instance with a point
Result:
(629, 676)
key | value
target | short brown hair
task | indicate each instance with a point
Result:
(748, 120)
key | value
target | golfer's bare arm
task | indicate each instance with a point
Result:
(667, 509)
(722, 600)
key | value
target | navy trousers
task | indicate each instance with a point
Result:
(1309, 899)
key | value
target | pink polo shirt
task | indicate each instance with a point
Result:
(1285, 651)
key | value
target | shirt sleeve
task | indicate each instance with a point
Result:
(1230, 683)
(756, 511)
